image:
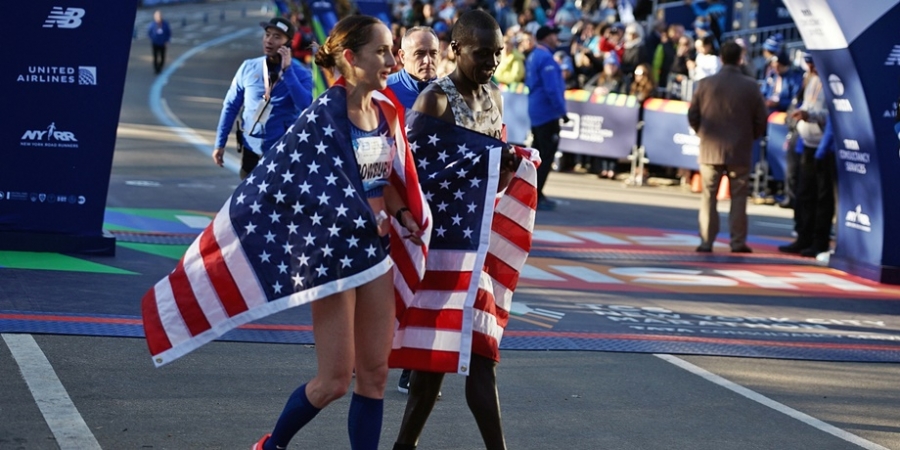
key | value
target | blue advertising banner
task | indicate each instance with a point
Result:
(772, 12)
(58, 135)
(667, 137)
(857, 53)
(678, 12)
(376, 8)
(776, 154)
(515, 113)
(603, 125)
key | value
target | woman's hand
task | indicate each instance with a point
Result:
(407, 220)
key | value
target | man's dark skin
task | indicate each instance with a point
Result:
(477, 57)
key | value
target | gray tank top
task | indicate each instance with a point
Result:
(484, 122)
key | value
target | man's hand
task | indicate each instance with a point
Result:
(218, 156)
(800, 115)
(285, 57)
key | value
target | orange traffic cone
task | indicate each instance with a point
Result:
(696, 183)
(724, 189)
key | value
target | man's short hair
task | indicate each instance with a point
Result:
(731, 53)
(470, 21)
(406, 40)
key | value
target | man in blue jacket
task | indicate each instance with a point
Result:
(419, 55)
(546, 104)
(159, 34)
(272, 90)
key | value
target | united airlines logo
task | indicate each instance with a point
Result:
(83, 75)
(51, 136)
(64, 18)
(894, 58)
(858, 220)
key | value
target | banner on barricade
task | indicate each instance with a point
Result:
(857, 54)
(776, 154)
(600, 125)
(63, 107)
(515, 112)
(667, 137)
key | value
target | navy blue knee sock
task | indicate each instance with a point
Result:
(364, 422)
(297, 412)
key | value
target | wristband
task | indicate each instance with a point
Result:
(399, 214)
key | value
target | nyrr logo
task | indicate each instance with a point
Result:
(64, 18)
(858, 220)
(894, 58)
(49, 137)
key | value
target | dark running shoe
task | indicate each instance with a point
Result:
(403, 385)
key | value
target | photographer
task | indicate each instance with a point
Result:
(272, 90)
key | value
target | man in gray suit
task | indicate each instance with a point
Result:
(728, 113)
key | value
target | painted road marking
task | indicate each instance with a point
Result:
(766, 401)
(530, 272)
(600, 238)
(554, 237)
(59, 412)
(197, 222)
(588, 275)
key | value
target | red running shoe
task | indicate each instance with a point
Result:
(262, 441)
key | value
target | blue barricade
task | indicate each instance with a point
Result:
(666, 135)
(776, 134)
(604, 125)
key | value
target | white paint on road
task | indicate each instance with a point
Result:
(766, 401)
(196, 222)
(56, 406)
(168, 118)
(587, 274)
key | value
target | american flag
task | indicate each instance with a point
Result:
(296, 230)
(478, 246)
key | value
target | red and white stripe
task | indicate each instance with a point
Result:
(443, 324)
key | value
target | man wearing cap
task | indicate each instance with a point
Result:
(546, 104)
(782, 85)
(271, 90)
(419, 50)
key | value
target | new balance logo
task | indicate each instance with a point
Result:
(894, 58)
(64, 18)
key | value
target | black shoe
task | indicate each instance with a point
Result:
(794, 247)
(812, 252)
(403, 385)
(703, 249)
(742, 249)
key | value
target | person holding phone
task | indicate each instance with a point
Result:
(268, 93)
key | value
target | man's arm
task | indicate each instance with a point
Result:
(694, 118)
(433, 102)
(231, 106)
(760, 117)
(299, 83)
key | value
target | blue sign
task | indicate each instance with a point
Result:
(667, 137)
(772, 12)
(515, 116)
(857, 54)
(58, 135)
(376, 8)
(605, 126)
(776, 154)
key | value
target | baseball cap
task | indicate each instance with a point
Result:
(282, 24)
(545, 31)
(611, 59)
(773, 43)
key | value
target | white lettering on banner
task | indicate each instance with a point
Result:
(690, 143)
(842, 105)
(667, 276)
(54, 138)
(894, 58)
(570, 130)
(836, 85)
(858, 220)
(796, 279)
(851, 144)
(64, 18)
(83, 75)
(592, 130)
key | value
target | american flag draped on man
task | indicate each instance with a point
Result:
(296, 230)
(479, 243)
